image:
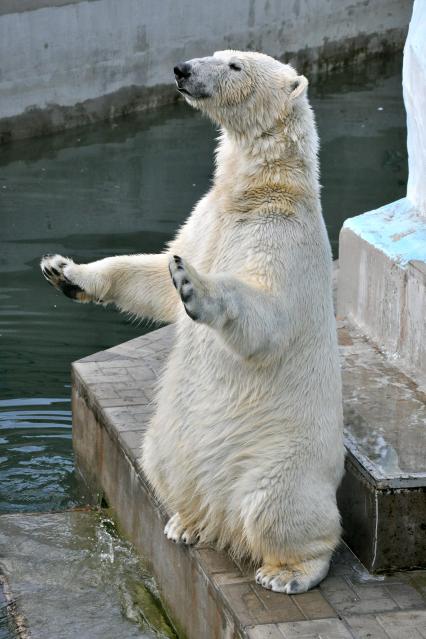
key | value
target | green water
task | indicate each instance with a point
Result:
(123, 188)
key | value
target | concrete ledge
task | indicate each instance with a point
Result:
(205, 592)
(54, 118)
(21, 6)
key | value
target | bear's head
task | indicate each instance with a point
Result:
(241, 90)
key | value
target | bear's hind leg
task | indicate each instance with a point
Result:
(176, 532)
(294, 534)
(293, 579)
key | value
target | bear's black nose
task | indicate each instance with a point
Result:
(182, 70)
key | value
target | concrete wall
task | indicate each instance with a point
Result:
(68, 63)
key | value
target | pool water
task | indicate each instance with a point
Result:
(70, 575)
(123, 188)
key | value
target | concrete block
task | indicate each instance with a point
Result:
(382, 282)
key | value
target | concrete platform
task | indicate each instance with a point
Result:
(207, 594)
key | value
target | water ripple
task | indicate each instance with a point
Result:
(36, 462)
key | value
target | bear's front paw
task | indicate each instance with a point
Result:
(189, 287)
(58, 272)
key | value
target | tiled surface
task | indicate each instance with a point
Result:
(116, 387)
(322, 629)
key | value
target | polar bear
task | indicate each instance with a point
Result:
(245, 447)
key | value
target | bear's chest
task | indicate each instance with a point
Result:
(234, 243)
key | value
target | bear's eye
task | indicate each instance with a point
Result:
(234, 66)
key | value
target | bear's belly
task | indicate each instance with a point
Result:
(205, 386)
(218, 415)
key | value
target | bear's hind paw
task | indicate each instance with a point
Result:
(175, 531)
(293, 580)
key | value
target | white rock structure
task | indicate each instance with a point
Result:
(414, 84)
(382, 276)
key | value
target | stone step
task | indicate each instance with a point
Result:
(383, 495)
(206, 593)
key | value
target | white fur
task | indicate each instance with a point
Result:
(246, 441)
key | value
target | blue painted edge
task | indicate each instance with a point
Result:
(397, 229)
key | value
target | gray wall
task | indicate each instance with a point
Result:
(67, 63)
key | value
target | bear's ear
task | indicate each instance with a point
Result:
(298, 86)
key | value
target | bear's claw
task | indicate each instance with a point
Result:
(293, 579)
(182, 278)
(175, 532)
(278, 579)
(53, 268)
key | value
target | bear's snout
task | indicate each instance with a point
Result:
(182, 71)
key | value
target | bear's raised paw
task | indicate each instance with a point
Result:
(188, 285)
(57, 271)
